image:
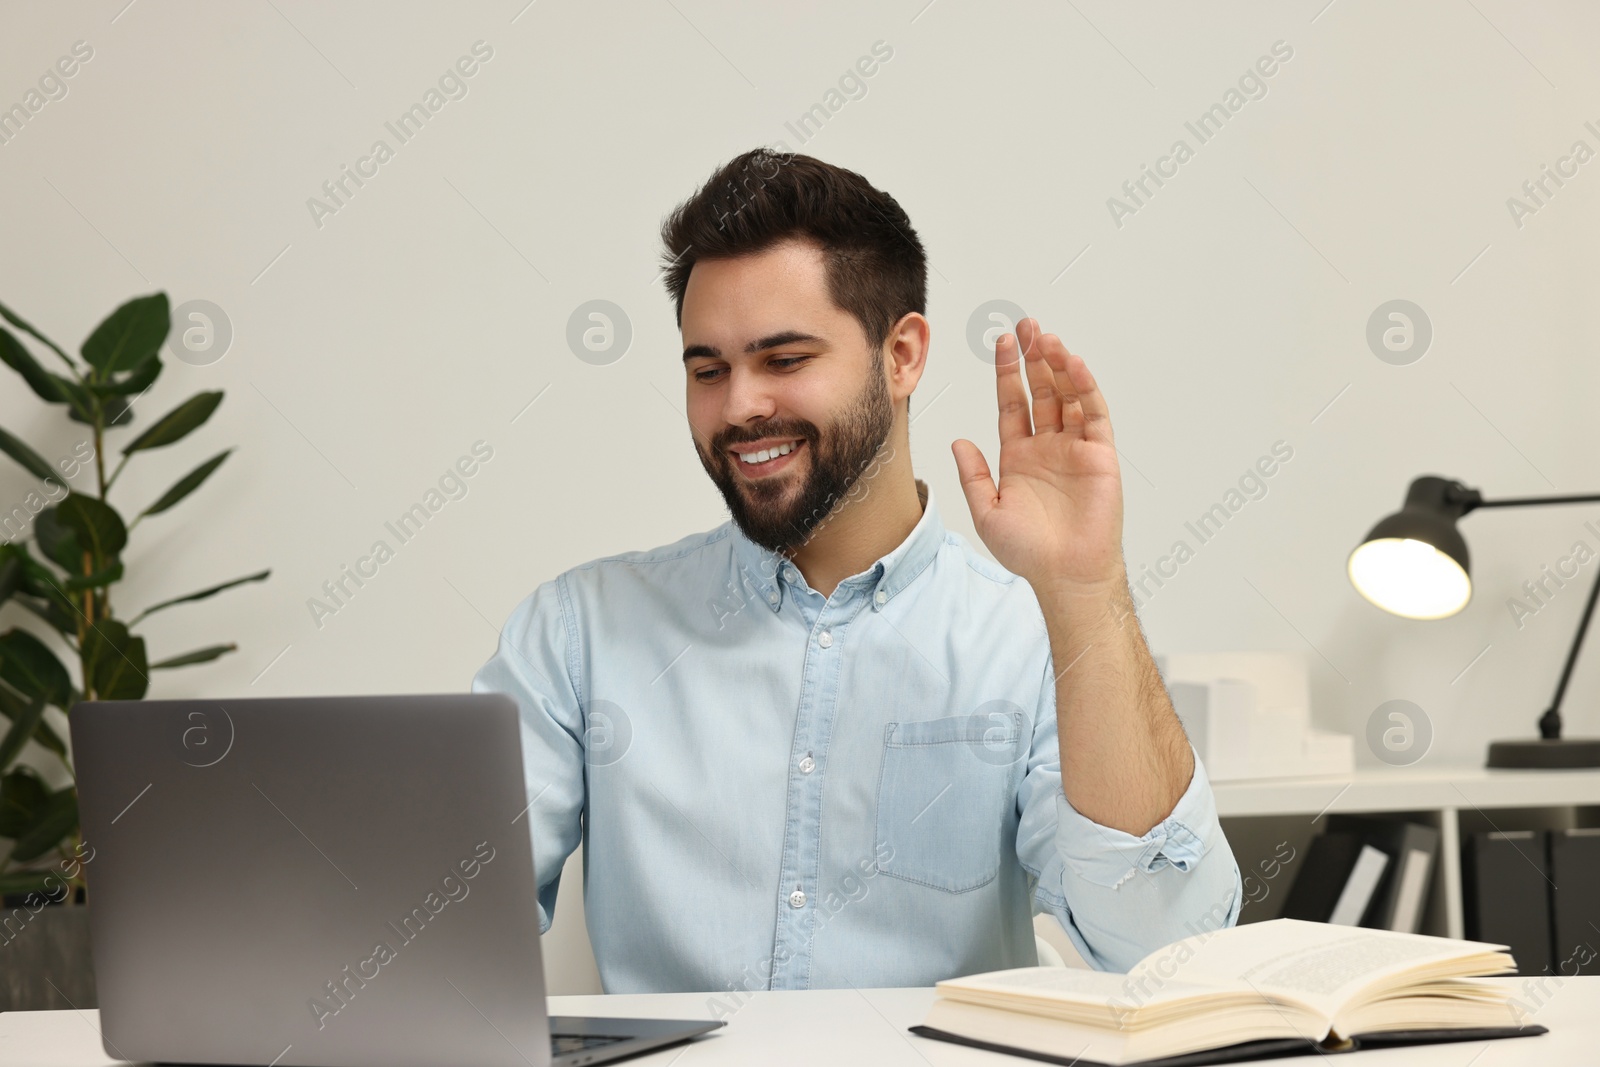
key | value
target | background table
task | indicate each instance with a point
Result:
(839, 1027)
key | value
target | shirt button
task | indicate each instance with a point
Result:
(772, 598)
(825, 639)
(880, 598)
(807, 765)
(797, 899)
(789, 574)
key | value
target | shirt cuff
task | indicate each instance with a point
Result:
(1107, 856)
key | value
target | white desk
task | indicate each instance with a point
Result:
(841, 1027)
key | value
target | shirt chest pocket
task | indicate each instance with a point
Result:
(943, 790)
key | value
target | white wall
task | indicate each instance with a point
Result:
(429, 311)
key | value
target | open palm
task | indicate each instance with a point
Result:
(1056, 516)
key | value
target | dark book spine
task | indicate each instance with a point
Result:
(1504, 881)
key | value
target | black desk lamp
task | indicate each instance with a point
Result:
(1414, 564)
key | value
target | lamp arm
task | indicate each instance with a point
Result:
(1521, 501)
(1550, 722)
(1470, 500)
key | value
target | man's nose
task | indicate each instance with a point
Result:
(748, 397)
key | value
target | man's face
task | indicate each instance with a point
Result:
(772, 363)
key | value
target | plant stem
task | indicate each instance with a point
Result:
(100, 473)
(99, 455)
(107, 482)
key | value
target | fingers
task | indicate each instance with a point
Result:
(1010, 393)
(1096, 413)
(1065, 396)
(1041, 379)
(1083, 407)
(976, 482)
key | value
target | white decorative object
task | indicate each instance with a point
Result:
(1248, 715)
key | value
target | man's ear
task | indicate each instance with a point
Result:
(906, 354)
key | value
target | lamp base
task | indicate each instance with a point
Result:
(1537, 754)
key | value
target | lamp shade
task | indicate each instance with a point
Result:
(1415, 563)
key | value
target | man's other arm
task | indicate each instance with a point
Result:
(532, 664)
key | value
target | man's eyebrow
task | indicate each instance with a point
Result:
(760, 344)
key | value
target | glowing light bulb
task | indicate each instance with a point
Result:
(1409, 578)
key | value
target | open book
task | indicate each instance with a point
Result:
(1269, 988)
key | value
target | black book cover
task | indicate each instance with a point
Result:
(1505, 882)
(1316, 888)
(1398, 838)
(1259, 1050)
(1575, 900)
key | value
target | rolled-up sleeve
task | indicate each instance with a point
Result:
(533, 665)
(1119, 897)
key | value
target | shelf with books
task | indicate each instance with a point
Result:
(1269, 819)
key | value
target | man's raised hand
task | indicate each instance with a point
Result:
(1056, 516)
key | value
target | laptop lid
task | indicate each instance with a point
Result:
(334, 881)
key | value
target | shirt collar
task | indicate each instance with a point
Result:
(765, 570)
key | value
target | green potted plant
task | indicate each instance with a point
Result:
(65, 581)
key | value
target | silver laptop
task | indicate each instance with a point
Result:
(328, 881)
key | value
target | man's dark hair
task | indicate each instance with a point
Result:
(875, 265)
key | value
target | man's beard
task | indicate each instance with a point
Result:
(832, 466)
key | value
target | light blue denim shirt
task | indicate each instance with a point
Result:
(776, 789)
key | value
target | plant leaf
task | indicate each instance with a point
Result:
(12, 317)
(114, 411)
(10, 572)
(47, 386)
(27, 882)
(99, 529)
(98, 580)
(39, 581)
(47, 736)
(20, 733)
(60, 620)
(202, 594)
(199, 655)
(55, 822)
(12, 704)
(137, 382)
(19, 359)
(177, 423)
(57, 540)
(187, 484)
(33, 462)
(80, 403)
(128, 336)
(22, 796)
(115, 662)
(32, 669)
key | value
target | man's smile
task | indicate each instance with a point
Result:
(768, 459)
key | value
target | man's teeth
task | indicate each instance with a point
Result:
(768, 453)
